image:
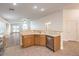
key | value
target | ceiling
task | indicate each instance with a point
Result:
(72, 6)
(26, 10)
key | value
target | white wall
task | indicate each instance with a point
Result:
(55, 19)
(36, 25)
(71, 24)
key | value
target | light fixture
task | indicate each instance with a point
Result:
(42, 9)
(14, 3)
(47, 23)
(35, 7)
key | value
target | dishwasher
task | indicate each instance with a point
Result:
(50, 42)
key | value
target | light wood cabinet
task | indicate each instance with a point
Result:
(42, 40)
(27, 40)
(37, 39)
(56, 43)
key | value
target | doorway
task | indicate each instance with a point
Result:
(14, 39)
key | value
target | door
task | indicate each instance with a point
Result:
(70, 30)
(77, 30)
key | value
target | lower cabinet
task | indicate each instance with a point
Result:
(52, 42)
(37, 39)
(56, 43)
(42, 40)
(29, 40)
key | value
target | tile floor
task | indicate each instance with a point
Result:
(70, 49)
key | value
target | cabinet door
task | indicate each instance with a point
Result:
(42, 40)
(25, 41)
(56, 43)
(37, 39)
(28, 40)
(31, 39)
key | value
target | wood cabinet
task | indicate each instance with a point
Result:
(52, 42)
(40, 40)
(27, 40)
(37, 39)
(56, 43)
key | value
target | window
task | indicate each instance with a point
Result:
(15, 28)
(2, 27)
(25, 25)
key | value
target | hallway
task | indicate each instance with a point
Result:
(14, 39)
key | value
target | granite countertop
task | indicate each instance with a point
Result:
(43, 34)
(53, 35)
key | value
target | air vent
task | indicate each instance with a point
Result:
(11, 9)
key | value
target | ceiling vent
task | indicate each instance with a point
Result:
(11, 9)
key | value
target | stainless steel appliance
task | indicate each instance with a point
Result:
(50, 42)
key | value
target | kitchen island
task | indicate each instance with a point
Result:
(40, 38)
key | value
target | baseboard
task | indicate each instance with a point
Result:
(72, 40)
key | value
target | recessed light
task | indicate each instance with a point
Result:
(14, 3)
(42, 9)
(35, 7)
